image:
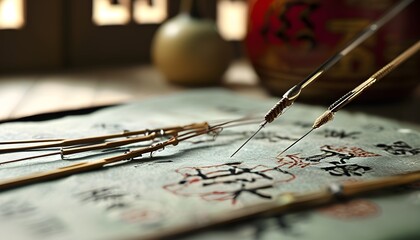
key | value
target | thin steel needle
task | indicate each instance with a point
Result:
(27, 158)
(295, 142)
(192, 131)
(249, 139)
(293, 93)
(348, 97)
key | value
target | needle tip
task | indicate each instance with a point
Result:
(291, 145)
(259, 129)
(237, 150)
(279, 155)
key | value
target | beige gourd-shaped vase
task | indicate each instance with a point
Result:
(189, 50)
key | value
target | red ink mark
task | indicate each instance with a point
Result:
(194, 180)
(353, 151)
(355, 209)
(291, 161)
(337, 157)
(141, 215)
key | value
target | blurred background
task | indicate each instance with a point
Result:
(57, 34)
(68, 55)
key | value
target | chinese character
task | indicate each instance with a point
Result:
(399, 148)
(107, 195)
(340, 134)
(348, 170)
(228, 181)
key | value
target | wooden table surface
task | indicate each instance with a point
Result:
(29, 94)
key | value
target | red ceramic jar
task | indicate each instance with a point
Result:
(288, 39)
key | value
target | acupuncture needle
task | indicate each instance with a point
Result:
(328, 115)
(190, 132)
(292, 94)
(150, 135)
(52, 143)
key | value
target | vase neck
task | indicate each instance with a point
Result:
(190, 7)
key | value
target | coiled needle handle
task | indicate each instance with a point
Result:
(348, 97)
(292, 94)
